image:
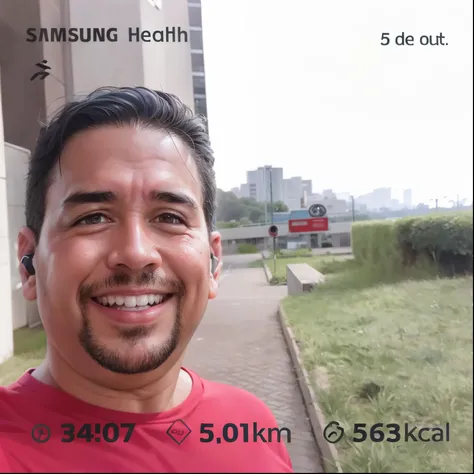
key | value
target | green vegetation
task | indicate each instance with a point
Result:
(30, 349)
(247, 248)
(387, 339)
(325, 264)
(443, 239)
(242, 211)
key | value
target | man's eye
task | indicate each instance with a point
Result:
(168, 218)
(93, 219)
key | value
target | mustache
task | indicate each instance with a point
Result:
(120, 280)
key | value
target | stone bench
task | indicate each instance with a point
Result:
(302, 278)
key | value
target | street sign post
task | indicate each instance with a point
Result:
(313, 224)
(273, 232)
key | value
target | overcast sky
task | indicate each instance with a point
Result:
(306, 85)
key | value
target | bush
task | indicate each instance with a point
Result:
(443, 239)
(247, 248)
(326, 245)
(302, 252)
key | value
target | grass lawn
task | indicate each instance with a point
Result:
(30, 348)
(326, 264)
(385, 349)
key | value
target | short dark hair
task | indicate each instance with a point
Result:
(117, 106)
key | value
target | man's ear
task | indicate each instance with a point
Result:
(26, 245)
(216, 250)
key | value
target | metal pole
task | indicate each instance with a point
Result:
(271, 195)
(353, 209)
(271, 214)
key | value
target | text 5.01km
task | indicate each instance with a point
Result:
(243, 432)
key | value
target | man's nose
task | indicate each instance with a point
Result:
(134, 247)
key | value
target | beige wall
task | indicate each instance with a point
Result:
(54, 88)
(161, 66)
(23, 100)
(105, 64)
(6, 334)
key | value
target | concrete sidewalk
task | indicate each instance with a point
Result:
(240, 342)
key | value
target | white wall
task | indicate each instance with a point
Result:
(16, 160)
(6, 334)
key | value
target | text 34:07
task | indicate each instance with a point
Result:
(110, 432)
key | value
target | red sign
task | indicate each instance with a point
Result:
(312, 224)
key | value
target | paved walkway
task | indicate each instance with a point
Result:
(240, 342)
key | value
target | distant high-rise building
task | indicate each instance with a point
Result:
(197, 56)
(329, 194)
(382, 197)
(408, 198)
(293, 192)
(261, 179)
(244, 190)
(307, 185)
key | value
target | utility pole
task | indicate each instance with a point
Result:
(266, 189)
(353, 209)
(271, 216)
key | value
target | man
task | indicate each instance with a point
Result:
(119, 252)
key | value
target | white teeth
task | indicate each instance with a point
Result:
(140, 301)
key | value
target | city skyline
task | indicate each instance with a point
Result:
(398, 194)
(314, 92)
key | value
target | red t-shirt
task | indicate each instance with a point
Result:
(114, 441)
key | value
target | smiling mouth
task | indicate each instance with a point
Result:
(132, 303)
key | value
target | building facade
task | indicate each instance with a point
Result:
(265, 183)
(197, 57)
(130, 42)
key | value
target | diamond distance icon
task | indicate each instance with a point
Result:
(178, 431)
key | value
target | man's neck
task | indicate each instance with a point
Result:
(150, 393)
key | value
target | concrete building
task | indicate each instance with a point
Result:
(339, 234)
(408, 198)
(197, 57)
(132, 42)
(293, 192)
(307, 185)
(259, 182)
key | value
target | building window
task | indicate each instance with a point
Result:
(197, 60)
(199, 85)
(196, 40)
(200, 107)
(195, 16)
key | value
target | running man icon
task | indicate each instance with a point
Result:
(41, 74)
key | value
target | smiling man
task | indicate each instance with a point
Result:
(120, 255)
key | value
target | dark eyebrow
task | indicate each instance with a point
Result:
(174, 198)
(98, 197)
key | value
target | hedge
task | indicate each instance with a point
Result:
(247, 248)
(446, 239)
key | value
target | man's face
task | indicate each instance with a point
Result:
(123, 260)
